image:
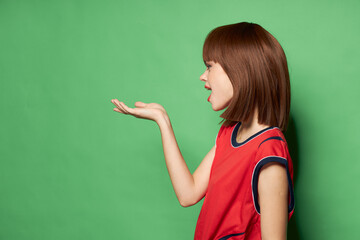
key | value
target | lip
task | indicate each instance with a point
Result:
(207, 87)
(209, 98)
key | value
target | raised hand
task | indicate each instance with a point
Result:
(151, 111)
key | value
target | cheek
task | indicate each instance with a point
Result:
(230, 89)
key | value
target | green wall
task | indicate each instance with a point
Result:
(72, 168)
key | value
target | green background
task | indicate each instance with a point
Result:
(72, 168)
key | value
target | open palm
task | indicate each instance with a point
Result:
(151, 111)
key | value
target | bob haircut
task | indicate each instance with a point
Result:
(257, 68)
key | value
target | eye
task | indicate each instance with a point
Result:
(208, 66)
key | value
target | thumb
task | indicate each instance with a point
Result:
(140, 104)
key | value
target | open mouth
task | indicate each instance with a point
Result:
(208, 88)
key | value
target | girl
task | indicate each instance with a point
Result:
(249, 168)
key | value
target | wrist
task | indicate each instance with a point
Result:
(163, 119)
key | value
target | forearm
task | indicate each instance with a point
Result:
(181, 178)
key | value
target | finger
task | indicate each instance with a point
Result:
(126, 108)
(120, 106)
(115, 102)
(140, 104)
(118, 110)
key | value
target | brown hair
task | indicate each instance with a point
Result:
(257, 68)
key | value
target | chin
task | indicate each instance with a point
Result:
(221, 106)
(217, 108)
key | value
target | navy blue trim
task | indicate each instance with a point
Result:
(276, 137)
(256, 179)
(231, 235)
(234, 134)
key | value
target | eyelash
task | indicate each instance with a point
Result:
(208, 66)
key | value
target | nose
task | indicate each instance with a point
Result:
(203, 77)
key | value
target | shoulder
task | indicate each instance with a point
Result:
(273, 143)
(274, 162)
(274, 135)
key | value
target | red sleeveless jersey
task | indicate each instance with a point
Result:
(231, 209)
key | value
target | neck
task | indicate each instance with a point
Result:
(250, 127)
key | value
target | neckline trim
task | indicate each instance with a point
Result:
(236, 144)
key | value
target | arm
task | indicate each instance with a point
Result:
(189, 188)
(273, 200)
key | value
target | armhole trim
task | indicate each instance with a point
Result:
(255, 180)
(270, 138)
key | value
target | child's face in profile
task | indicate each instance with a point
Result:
(219, 83)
